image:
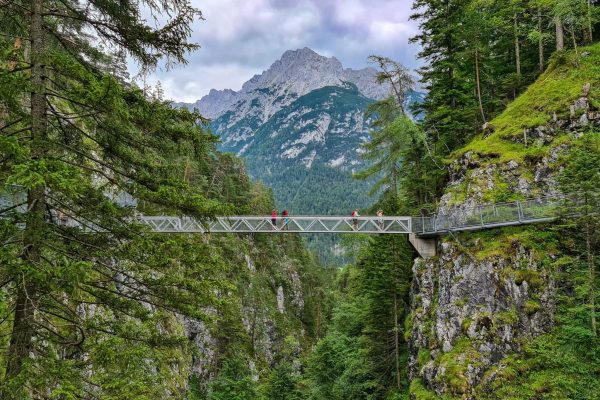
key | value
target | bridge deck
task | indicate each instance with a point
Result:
(297, 224)
(467, 219)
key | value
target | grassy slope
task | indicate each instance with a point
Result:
(553, 93)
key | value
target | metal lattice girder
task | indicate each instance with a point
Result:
(298, 224)
(459, 219)
(451, 219)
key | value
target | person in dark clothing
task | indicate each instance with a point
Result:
(285, 215)
(355, 216)
(380, 219)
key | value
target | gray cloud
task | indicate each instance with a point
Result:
(242, 38)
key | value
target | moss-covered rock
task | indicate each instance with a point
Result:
(481, 304)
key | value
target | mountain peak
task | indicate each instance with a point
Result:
(306, 54)
(294, 74)
(305, 51)
(300, 71)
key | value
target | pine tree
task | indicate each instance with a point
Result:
(449, 108)
(79, 274)
(578, 181)
(386, 149)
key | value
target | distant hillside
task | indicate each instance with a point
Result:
(299, 126)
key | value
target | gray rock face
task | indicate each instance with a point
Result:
(203, 362)
(468, 314)
(472, 306)
(297, 73)
(260, 297)
(215, 102)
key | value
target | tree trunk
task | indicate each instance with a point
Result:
(478, 85)
(590, 34)
(517, 49)
(21, 340)
(560, 36)
(318, 320)
(399, 95)
(395, 180)
(448, 39)
(540, 41)
(397, 343)
(592, 278)
(575, 45)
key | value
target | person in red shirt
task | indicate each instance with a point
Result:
(274, 218)
(355, 216)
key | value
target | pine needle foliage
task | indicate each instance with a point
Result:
(92, 302)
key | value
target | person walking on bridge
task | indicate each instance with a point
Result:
(274, 218)
(355, 216)
(286, 219)
(380, 218)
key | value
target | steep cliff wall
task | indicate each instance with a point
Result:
(269, 314)
(487, 295)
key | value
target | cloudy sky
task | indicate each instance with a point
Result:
(240, 38)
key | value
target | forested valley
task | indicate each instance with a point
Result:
(93, 305)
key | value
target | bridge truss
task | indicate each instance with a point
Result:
(422, 231)
(295, 224)
(459, 219)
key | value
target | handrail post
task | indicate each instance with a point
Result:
(519, 211)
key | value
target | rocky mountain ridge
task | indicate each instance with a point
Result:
(290, 100)
(296, 73)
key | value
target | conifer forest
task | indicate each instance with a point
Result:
(499, 108)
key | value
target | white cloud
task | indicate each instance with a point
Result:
(240, 38)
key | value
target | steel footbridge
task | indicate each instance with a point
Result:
(422, 231)
(459, 219)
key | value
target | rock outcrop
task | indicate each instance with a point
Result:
(486, 294)
(296, 73)
(262, 315)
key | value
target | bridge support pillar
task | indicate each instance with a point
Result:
(426, 247)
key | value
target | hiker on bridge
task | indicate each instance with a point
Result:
(286, 219)
(355, 216)
(274, 218)
(380, 218)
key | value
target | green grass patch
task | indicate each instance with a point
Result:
(423, 357)
(532, 277)
(506, 317)
(456, 367)
(551, 95)
(501, 242)
(419, 391)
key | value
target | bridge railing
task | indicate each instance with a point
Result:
(490, 215)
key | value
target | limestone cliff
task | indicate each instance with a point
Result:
(264, 317)
(489, 293)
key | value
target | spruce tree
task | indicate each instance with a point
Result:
(78, 273)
